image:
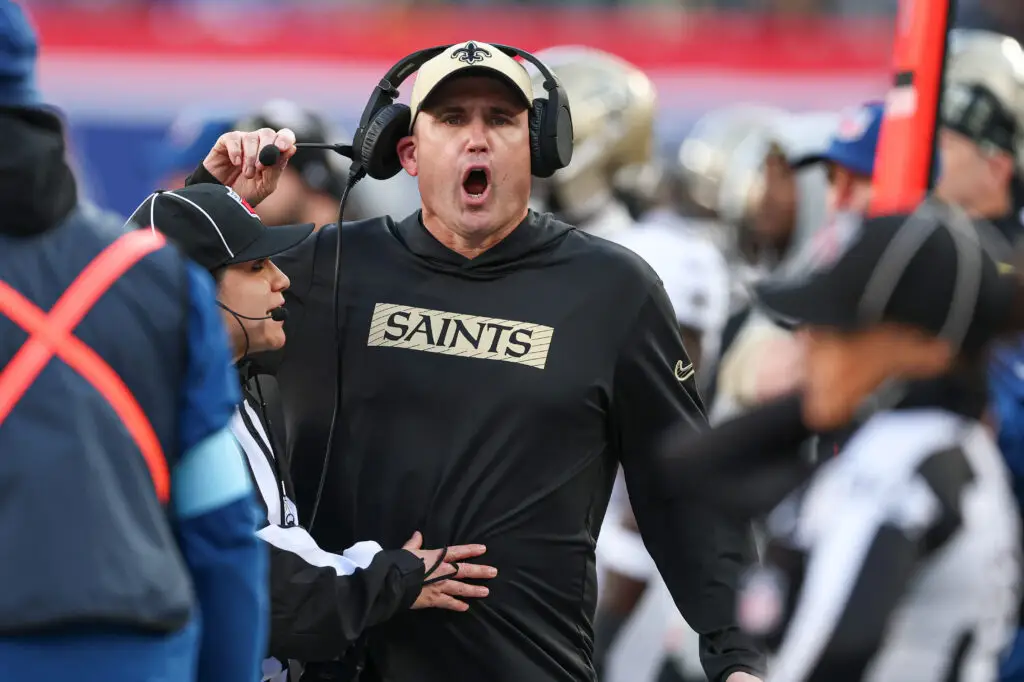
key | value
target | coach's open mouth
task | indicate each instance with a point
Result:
(476, 182)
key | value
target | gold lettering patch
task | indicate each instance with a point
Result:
(468, 336)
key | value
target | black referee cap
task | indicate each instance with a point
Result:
(214, 226)
(927, 270)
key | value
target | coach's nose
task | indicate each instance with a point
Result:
(476, 131)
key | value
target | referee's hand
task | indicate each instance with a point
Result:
(442, 594)
(235, 161)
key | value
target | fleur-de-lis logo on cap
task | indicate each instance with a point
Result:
(471, 53)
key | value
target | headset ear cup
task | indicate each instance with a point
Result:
(563, 142)
(539, 165)
(378, 150)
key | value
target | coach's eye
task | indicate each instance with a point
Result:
(258, 265)
(452, 120)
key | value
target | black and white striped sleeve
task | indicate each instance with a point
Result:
(320, 602)
(853, 573)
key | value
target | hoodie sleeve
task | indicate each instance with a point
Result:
(201, 176)
(699, 553)
(321, 602)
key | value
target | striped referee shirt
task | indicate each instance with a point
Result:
(321, 602)
(898, 561)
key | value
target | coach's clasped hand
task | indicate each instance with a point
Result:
(442, 594)
(235, 162)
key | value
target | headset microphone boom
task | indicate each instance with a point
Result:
(270, 154)
(277, 314)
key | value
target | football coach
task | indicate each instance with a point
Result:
(498, 365)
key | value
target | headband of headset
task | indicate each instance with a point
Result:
(551, 134)
(386, 91)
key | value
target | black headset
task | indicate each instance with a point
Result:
(385, 122)
(374, 152)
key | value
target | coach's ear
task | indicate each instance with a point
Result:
(407, 155)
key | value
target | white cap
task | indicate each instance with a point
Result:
(469, 55)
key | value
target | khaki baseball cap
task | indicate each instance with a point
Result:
(469, 55)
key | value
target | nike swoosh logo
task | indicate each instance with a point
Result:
(683, 372)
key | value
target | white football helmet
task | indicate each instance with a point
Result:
(708, 154)
(980, 62)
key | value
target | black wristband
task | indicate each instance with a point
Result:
(437, 564)
(201, 176)
(447, 576)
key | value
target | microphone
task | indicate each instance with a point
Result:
(277, 314)
(270, 154)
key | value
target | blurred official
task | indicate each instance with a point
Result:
(900, 558)
(128, 535)
(498, 366)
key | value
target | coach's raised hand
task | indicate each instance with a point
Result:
(442, 594)
(235, 161)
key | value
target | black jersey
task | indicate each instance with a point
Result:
(491, 401)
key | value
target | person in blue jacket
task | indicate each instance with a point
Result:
(128, 532)
(1006, 386)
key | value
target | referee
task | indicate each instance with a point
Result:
(321, 602)
(499, 366)
(899, 558)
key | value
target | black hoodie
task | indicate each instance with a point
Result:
(491, 401)
(37, 188)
